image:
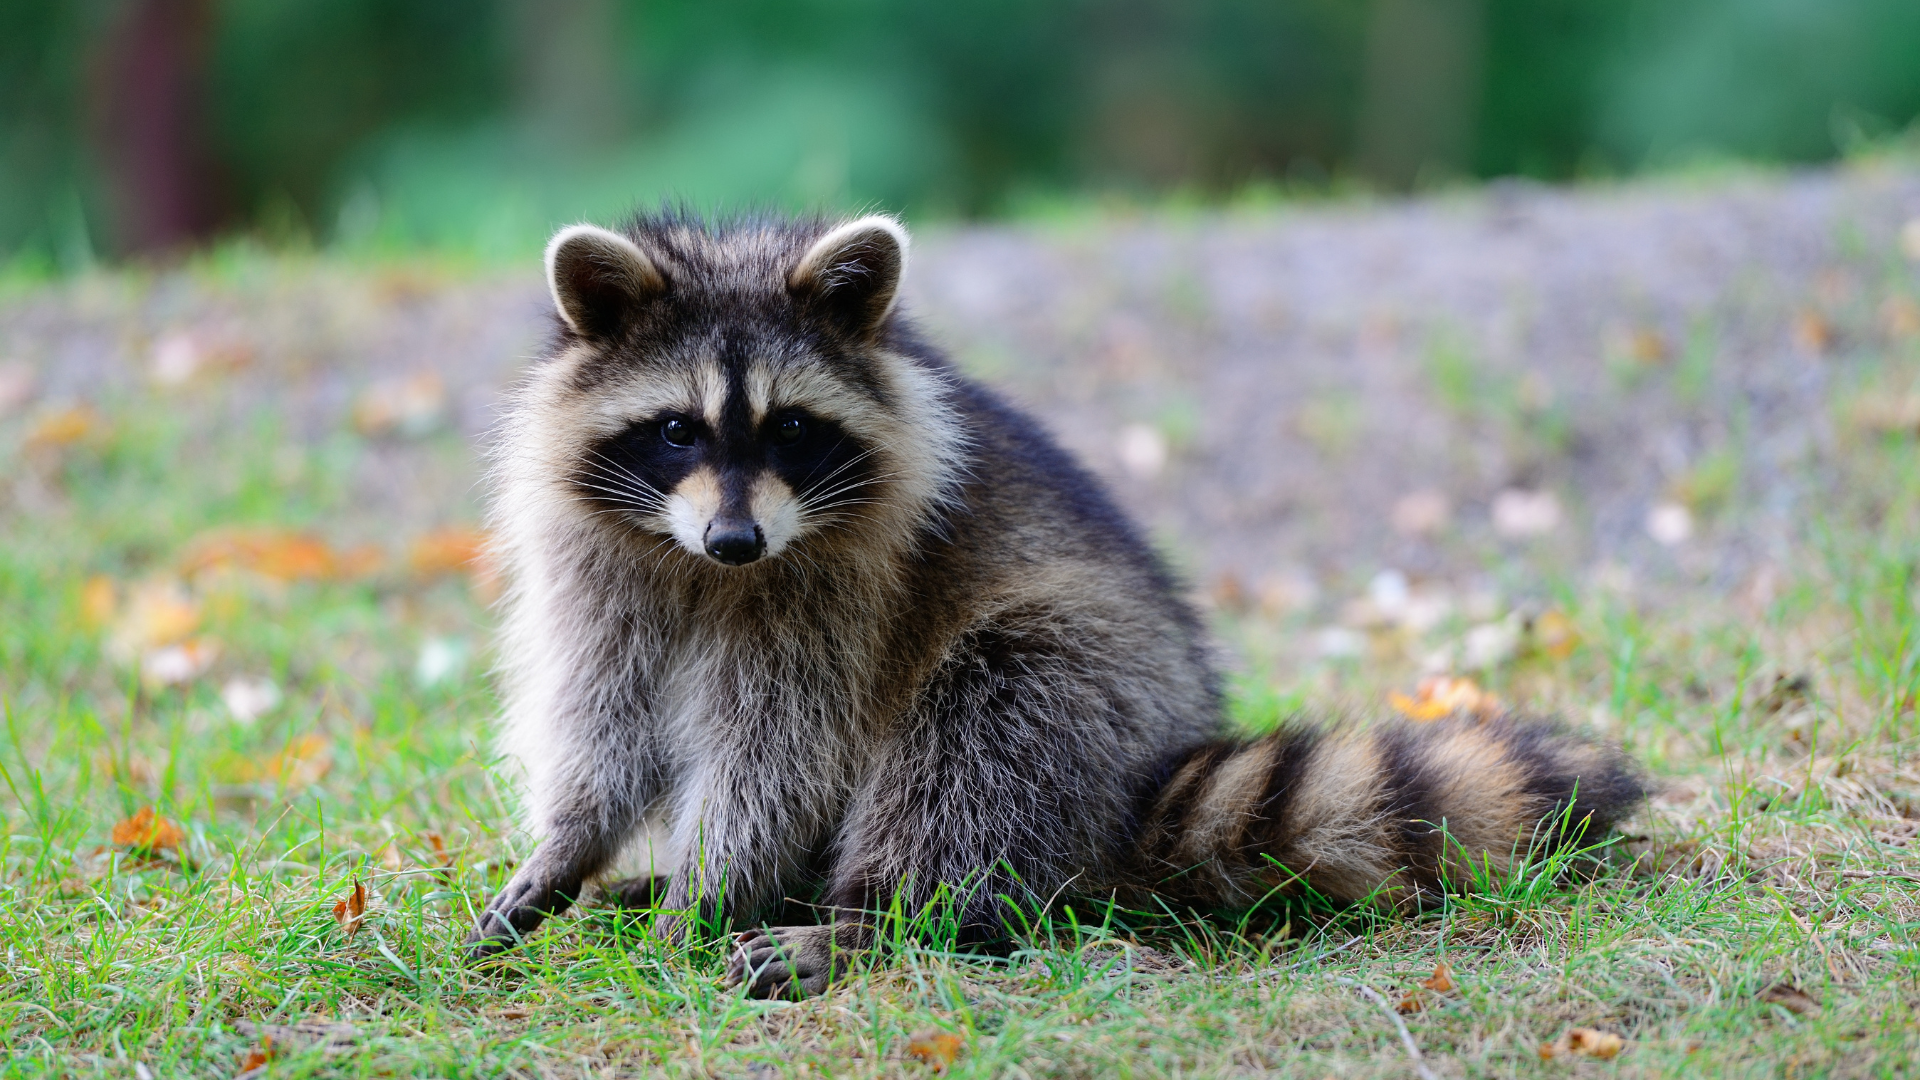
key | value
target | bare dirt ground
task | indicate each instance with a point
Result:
(1488, 390)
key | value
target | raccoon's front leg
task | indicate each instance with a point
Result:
(546, 884)
(1003, 782)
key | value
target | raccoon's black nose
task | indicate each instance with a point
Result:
(735, 543)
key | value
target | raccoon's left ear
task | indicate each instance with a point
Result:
(853, 273)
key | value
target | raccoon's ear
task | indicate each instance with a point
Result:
(599, 279)
(853, 273)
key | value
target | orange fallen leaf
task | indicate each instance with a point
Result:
(935, 1048)
(156, 613)
(301, 763)
(147, 833)
(445, 551)
(1444, 695)
(1555, 635)
(352, 911)
(1584, 1042)
(1442, 981)
(1646, 345)
(1411, 1002)
(99, 599)
(276, 553)
(258, 1057)
(64, 427)
(1812, 332)
(440, 853)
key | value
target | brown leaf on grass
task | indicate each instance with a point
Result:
(281, 554)
(1791, 998)
(147, 833)
(99, 599)
(256, 1060)
(936, 1049)
(58, 428)
(1646, 345)
(440, 853)
(1444, 695)
(1812, 333)
(1900, 316)
(352, 911)
(446, 551)
(301, 763)
(1584, 1042)
(1442, 981)
(1554, 634)
(1410, 1002)
(156, 613)
(412, 406)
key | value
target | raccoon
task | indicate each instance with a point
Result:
(792, 603)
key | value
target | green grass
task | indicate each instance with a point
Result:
(1777, 849)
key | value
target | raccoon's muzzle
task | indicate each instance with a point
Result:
(734, 541)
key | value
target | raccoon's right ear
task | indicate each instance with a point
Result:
(599, 279)
(853, 272)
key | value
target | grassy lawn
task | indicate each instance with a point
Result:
(197, 622)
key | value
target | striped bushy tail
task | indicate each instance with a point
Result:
(1396, 812)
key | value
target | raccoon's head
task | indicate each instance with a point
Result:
(738, 388)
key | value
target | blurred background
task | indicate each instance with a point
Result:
(134, 126)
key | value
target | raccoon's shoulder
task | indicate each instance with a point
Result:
(1025, 500)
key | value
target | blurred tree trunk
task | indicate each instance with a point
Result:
(149, 78)
(1420, 93)
(570, 94)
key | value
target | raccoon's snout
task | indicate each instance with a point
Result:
(735, 543)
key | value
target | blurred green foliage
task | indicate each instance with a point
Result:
(478, 124)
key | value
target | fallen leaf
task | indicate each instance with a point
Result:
(1519, 513)
(1554, 634)
(258, 1057)
(1646, 345)
(1584, 1042)
(281, 554)
(1422, 512)
(147, 833)
(1812, 333)
(1411, 1002)
(56, 428)
(1888, 414)
(99, 599)
(1791, 998)
(1444, 695)
(411, 406)
(16, 385)
(440, 853)
(935, 1048)
(445, 551)
(352, 911)
(1442, 981)
(301, 763)
(173, 665)
(248, 700)
(1900, 316)
(156, 613)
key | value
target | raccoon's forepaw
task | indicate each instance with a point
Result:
(791, 962)
(513, 913)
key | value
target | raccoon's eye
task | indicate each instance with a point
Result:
(677, 432)
(789, 431)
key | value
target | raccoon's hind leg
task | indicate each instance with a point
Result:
(1398, 812)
